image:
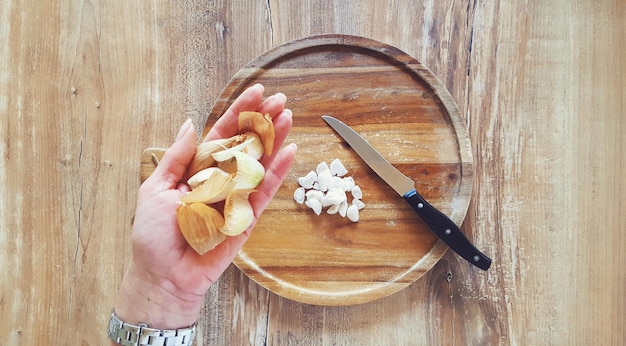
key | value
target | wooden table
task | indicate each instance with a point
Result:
(85, 86)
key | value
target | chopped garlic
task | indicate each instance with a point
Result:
(314, 204)
(326, 187)
(337, 168)
(323, 166)
(298, 195)
(308, 180)
(359, 204)
(356, 192)
(353, 213)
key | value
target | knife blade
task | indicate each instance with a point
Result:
(437, 221)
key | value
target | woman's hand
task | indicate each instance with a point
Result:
(166, 280)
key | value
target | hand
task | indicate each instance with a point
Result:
(167, 279)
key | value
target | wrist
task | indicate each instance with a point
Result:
(158, 303)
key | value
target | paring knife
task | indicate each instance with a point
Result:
(438, 222)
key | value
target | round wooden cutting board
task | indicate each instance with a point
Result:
(402, 110)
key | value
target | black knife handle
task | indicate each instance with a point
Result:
(447, 230)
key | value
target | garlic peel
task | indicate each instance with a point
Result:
(250, 172)
(260, 124)
(200, 225)
(238, 213)
(212, 190)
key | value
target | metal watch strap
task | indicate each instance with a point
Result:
(128, 334)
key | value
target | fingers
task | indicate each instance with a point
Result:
(275, 174)
(250, 100)
(226, 126)
(173, 165)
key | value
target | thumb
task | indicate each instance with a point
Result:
(172, 167)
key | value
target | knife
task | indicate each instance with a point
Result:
(437, 221)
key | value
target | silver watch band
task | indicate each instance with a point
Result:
(128, 334)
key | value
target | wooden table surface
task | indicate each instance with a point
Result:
(85, 86)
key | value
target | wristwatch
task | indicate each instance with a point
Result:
(128, 334)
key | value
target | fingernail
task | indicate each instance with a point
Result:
(183, 129)
(282, 96)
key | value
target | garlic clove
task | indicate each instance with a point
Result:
(213, 189)
(200, 225)
(298, 195)
(359, 204)
(322, 166)
(324, 180)
(353, 213)
(204, 153)
(347, 183)
(334, 209)
(314, 204)
(337, 168)
(250, 172)
(343, 208)
(314, 194)
(308, 180)
(356, 192)
(334, 196)
(260, 124)
(238, 213)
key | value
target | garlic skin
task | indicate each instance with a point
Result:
(250, 172)
(229, 153)
(238, 213)
(200, 225)
(204, 153)
(260, 124)
(212, 190)
(203, 175)
(254, 148)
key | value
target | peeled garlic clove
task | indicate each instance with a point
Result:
(254, 148)
(314, 194)
(213, 189)
(343, 208)
(337, 168)
(334, 196)
(335, 182)
(260, 124)
(333, 209)
(204, 153)
(347, 183)
(324, 180)
(308, 180)
(200, 225)
(203, 175)
(314, 204)
(238, 213)
(356, 192)
(298, 195)
(359, 204)
(322, 166)
(250, 172)
(229, 153)
(353, 213)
